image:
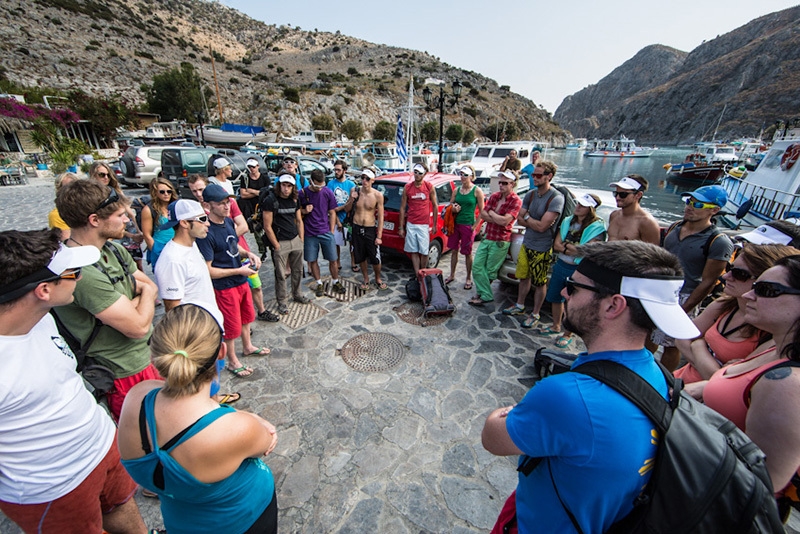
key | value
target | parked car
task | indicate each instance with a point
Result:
(305, 164)
(391, 186)
(177, 164)
(140, 164)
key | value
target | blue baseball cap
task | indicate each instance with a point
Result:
(215, 193)
(712, 194)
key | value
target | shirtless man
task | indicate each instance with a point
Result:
(632, 222)
(368, 204)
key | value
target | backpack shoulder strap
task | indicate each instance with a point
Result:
(636, 389)
(669, 231)
(715, 233)
(80, 351)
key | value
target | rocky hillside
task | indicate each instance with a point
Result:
(666, 96)
(107, 48)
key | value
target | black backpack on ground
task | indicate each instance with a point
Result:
(413, 291)
(708, 475)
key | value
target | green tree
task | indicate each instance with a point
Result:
(322, 122)
(106, 114)
(468, 137)
(353, 129)
(500, 130)
(429, 131)
(454, 132)
(292, 94)
(383, 130)
(175, 94)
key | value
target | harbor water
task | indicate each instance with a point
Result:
(663, 197)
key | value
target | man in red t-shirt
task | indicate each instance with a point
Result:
(418, 198)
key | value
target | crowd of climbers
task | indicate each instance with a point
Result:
(622, 288)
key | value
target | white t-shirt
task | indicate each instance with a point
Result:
(182, 274)
(52, 431)
(227, 185)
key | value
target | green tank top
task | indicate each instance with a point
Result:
(467, 203)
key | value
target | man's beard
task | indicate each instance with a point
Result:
(584, 322)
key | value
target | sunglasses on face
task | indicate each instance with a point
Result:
(71, 274)
(740, 275)
(102, 174)
(623, 194)
(538, 174)
(419, 173)
(698, 205)
(202, 219)
(164, 191)
(504, 183)
(572, 284)
(110, 199)
(771, 290)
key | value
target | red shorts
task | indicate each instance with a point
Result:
(236, 305)
(82, 509)
(123, 385)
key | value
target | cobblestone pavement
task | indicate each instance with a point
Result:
(394, 452)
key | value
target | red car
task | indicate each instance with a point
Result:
(391, 186)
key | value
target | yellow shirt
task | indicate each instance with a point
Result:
(54, 220)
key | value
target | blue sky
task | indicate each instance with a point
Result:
(543, 50)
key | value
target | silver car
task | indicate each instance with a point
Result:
(141, 164)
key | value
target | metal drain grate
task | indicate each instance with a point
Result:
(373, 352)
(299, 314)
(352, 289)
(411, 313)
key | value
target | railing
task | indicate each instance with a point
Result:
(768, 203)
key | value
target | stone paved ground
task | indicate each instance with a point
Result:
(395, 452)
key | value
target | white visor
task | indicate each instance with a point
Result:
(661, 301)
(587, 200)
(626, 183)
(766, 235)
(419, 168)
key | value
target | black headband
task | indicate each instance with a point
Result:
(19, 287)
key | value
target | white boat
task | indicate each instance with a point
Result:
(717, 152)
(218, 136)
(579, 143)
(380, 153)
(319, 140)
(488, 157)
(617, 148)
(772, 190)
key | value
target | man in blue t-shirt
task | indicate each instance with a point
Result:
(342, 186)
(222, 252)
(597, 447)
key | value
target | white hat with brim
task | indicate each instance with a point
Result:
(64, 258)
(661, 300)
(587, 200)
(287, 179)
(221, 163)
(508, 174)
(766, 235)
(626, 183)
(182, 210)
(252, 162)
(368, 173)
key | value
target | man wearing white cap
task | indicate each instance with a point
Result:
(61, 468)
(249, 189)
(632, 222)
(222, 174)
(419, 200)
(597, 445)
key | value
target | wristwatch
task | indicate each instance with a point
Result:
(527, 216)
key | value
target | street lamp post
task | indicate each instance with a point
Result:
(434, 102)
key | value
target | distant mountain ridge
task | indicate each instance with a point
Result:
(666, 96)
(105, 48)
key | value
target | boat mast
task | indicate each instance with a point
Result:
(714, 137)
(216, 84)
(409, 107)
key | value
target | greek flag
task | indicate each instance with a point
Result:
(400, 139)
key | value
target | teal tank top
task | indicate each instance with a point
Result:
(189, 506)
(467, 203)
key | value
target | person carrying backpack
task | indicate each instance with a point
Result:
(590, 455)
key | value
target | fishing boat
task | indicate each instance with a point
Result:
(380, 153)
(319, 140)
(230, 134)
(579, 143)
(772, 190)
(617, 148)
(488, 157)
(696, 170)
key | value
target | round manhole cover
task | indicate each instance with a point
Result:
(411, 313)
(373, 352)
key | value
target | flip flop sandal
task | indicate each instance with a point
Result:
(547, 331)
(241, 372)
(229, 398)
(262, 351)
(449, 281)
(468, 285)
(364, 287)
(383, 286)
(563, 342)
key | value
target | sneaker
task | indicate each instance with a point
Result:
(531, 321)
(268, 316)
(320, 290)
(283, 309)
(302, 299)
(339, 288)
(514, 310)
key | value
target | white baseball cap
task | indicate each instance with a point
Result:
(507, 174)
(252, 162)
(766, 235)
(587, 200)
(221, 163)
(182, 210)
(368, 173)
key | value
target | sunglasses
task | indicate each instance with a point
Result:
(537, 174)
(740, 275)
(102, 174)
(770, 290)
(71, 274)
(505, 183)
(623, 194)
(419, 173)
(201, 219)
(572, 284)
(164, 191)
(699, 205)
(110, 199)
